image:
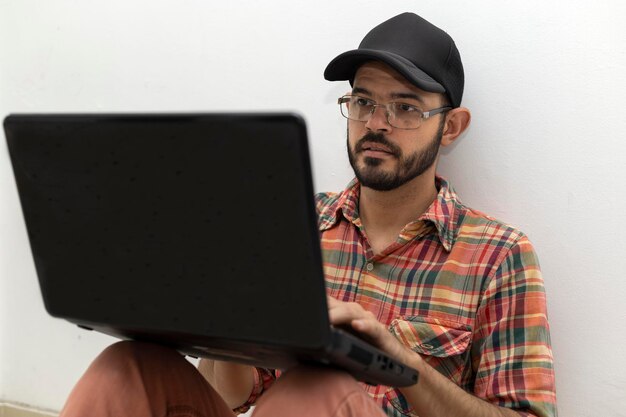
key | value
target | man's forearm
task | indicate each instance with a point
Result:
(234, 382)
(436, 396)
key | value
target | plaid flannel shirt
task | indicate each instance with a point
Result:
(458, 287)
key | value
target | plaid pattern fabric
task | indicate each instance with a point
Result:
(263, 379)
(458, 287)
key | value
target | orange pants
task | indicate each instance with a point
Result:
(140, 380)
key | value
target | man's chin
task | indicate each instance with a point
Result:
(375, 179)
(370, 161)
(387, 164)
(374, 169)
(378, 185)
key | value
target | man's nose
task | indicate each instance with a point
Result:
(378, 120)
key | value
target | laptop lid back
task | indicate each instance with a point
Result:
(179, 225)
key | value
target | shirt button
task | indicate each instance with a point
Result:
(369, 267)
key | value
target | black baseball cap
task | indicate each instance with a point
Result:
(424, 54)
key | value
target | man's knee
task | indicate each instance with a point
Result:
(313, 382)
(324, 377)
(125, 356)
(316, 391)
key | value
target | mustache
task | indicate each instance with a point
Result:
(372, 137)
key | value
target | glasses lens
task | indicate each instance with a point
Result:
(344, 105)
(404, 116)
(399, 115)
(356, 108)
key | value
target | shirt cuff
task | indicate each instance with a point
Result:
(263, 379)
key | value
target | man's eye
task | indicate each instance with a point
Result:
(363, 102)
(406, 108)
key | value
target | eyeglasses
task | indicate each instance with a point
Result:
(398, 115)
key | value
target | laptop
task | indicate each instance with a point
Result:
(197, 231)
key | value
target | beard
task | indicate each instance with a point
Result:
(408, 167)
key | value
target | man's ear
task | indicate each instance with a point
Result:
(457, 120)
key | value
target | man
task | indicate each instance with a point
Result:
(445, 289)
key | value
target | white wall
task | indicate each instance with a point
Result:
(546, 150)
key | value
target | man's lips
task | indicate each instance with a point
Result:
(375, 148)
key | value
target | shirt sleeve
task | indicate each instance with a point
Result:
(512, 354)
(263, 379)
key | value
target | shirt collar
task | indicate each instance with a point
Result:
(346, 205)
(443, 213)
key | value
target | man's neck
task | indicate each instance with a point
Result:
(385, 213)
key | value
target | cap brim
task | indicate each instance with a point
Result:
(344, 67)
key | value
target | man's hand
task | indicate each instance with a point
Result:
(434, 394)
(353, 316)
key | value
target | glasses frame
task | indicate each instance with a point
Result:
(424, 114)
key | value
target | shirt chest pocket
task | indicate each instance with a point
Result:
(443, 344)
